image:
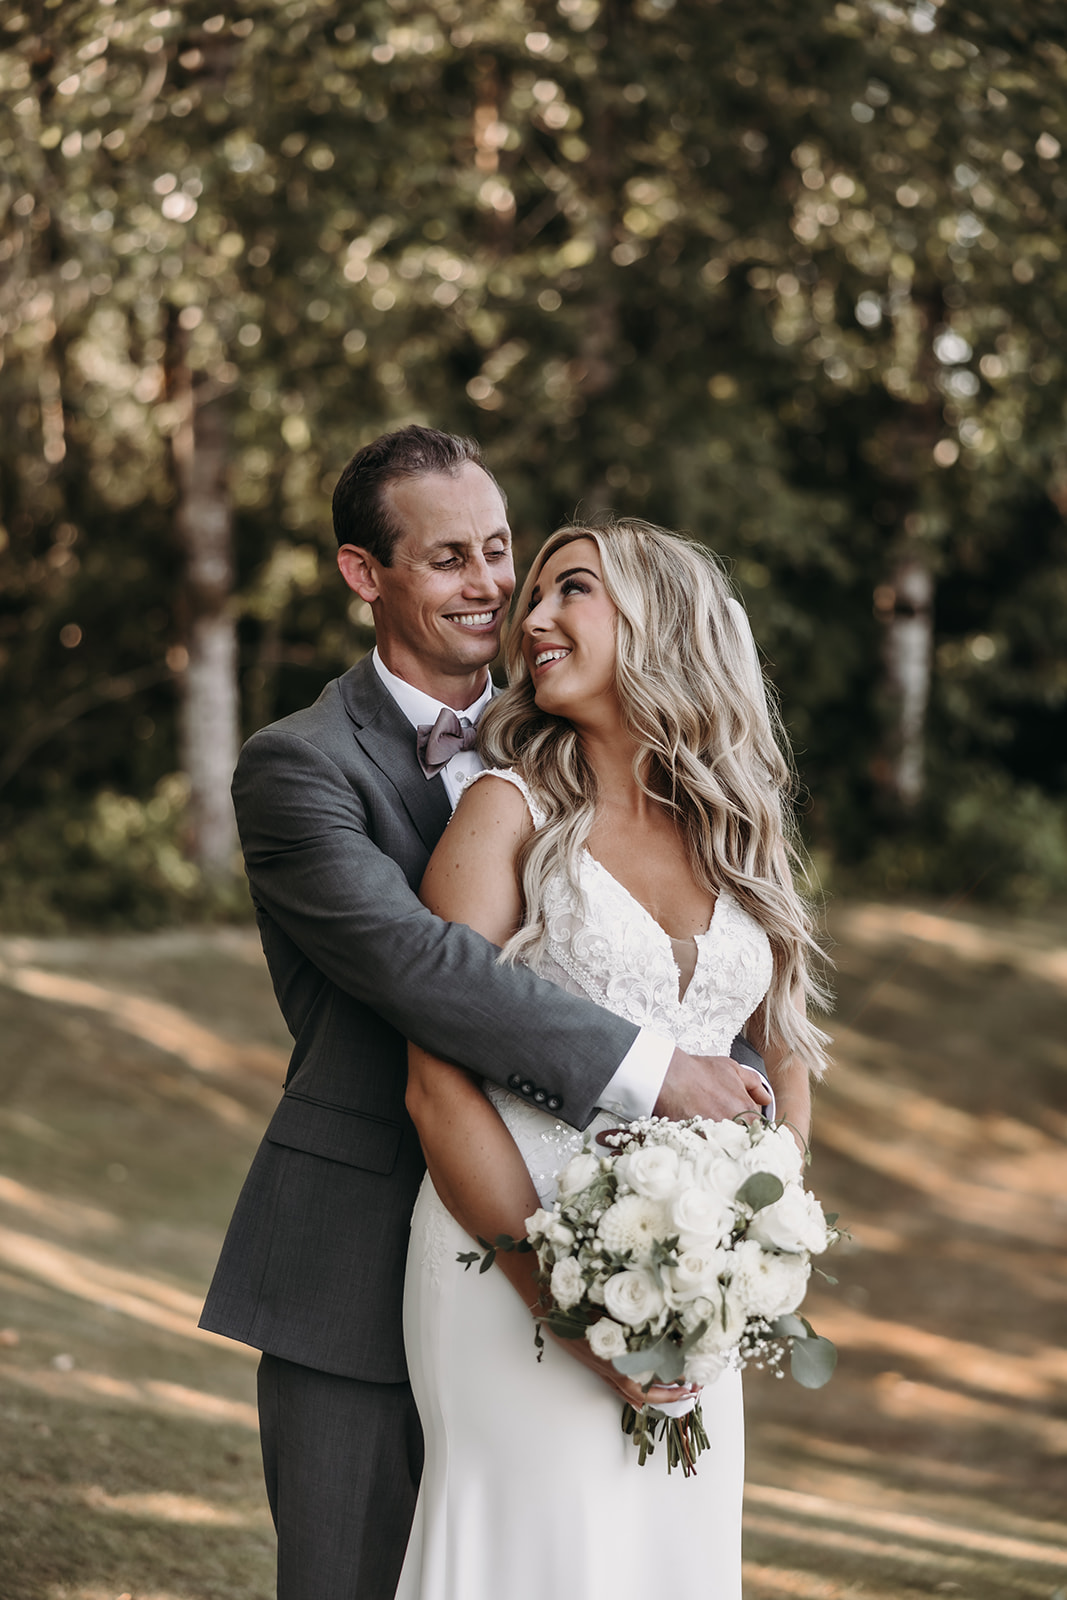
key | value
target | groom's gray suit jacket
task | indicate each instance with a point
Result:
(337, 822)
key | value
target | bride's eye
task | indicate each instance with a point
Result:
(574, 586)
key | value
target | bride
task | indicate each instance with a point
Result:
(626, 841)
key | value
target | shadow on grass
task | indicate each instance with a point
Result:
(104, 1500)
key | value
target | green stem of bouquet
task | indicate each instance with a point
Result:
(685, 1437)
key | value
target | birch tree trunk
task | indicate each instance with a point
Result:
(209, 710)
(905, 604)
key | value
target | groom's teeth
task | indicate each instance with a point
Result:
(550, 655)
(475, 619)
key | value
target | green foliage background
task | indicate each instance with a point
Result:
(788, 275)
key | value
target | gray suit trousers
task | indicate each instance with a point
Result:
(342, 1460)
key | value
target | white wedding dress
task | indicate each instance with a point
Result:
(531, 1491)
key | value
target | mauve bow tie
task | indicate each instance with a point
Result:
(438, 744)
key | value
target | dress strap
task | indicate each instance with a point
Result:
(536, 810)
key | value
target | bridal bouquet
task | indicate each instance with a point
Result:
(678, 1249)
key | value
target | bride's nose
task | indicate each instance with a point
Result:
(530, 622)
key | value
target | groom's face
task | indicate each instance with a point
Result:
(441, 603)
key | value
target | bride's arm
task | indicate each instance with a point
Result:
(474, 1162)
(788, 1072)
(790, 1079)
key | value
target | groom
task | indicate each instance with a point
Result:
(339, 807)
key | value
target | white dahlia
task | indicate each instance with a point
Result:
(632, 1223)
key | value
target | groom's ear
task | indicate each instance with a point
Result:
(359, 570)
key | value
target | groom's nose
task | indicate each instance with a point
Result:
(482, 578)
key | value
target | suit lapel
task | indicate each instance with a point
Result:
(388, 739)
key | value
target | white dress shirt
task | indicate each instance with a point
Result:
(635, 1087)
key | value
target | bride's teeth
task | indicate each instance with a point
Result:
(550, 655)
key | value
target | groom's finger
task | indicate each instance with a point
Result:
(757, 1085)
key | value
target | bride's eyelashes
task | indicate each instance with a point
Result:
(568, 586)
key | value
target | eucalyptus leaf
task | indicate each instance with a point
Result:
(762, 1189)
(636, 1363)
(812, 1361)
(789, 1327)
(694, 1337)
(664, 1360)
(566, 1324)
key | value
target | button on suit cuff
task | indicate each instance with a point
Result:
(534, 1092)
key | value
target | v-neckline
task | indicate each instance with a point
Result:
(679, 999)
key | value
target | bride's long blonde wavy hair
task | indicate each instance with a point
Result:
(708, 745)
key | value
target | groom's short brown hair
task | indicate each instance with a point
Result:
(361, 515)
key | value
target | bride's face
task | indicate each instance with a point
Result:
(569, 634)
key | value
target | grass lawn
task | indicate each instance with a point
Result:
(137, 1076)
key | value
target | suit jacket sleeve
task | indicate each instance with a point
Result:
(349, 907)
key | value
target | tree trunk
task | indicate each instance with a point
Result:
(905, 604)
(596, 369)
(209, 715)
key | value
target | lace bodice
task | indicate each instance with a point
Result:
(604, 944)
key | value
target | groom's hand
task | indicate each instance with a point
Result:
(715, 1087)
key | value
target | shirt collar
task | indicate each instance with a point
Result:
(420, 708)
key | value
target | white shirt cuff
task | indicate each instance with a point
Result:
(634, 1089)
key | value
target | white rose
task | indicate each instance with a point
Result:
(633, 1298)
(696, 1275)
(606, 1339)
(703, 1369)
(651, 1171)
(721, 1173)
(578, 1174)
(765, 1284)
(775, 1150)
(696, 1312)
(727, 1138)
(567, 1283)
(794, 1222)
(726, 1320)
(537, 1225)
(559, 1236)
(701, 1214)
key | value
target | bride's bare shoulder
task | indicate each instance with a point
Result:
(471, 877)
(505, 804)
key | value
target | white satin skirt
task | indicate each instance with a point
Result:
(531, 1490)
